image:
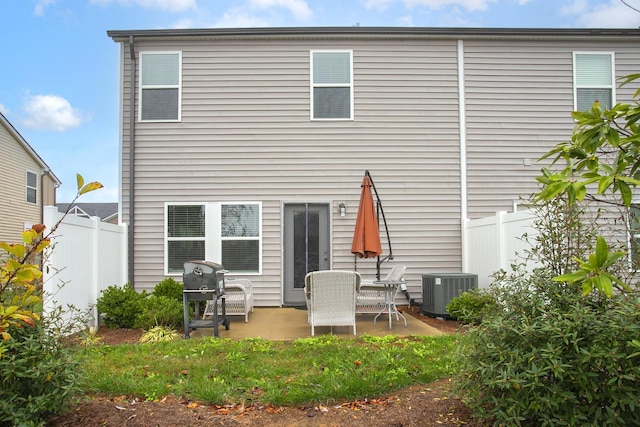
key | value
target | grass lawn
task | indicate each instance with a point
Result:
(307, 370)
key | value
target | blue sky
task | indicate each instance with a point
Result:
(59, 75)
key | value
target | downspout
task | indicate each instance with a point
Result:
(132, 103)
(462, 125)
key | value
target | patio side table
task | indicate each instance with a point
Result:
(390, 290)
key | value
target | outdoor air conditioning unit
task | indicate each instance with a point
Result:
(439, 289)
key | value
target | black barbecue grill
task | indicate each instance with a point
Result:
(203, 281)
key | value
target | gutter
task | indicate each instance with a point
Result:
(132, 102)
(453, 33)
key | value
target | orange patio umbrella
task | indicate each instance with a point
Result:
(366, 236)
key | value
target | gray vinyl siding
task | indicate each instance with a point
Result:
(519, 99)
(15, 211)
(246, 135)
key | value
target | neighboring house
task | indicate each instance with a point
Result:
(239, 145)
(27, 184)
(107, 212)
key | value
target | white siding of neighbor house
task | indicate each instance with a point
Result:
(245, 135)
(15, 212)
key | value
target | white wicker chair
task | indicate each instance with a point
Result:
(331, 298)
(238, 299)
(371, 298)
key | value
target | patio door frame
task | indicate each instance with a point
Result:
(316, 257)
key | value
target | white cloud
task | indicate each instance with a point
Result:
(377, 4)
(238, 18)
(299, 8)
(183, 23)
(38, 10)
(470, 5)
(613, 14)
(169, 5)
(575, 7)
(4, 110)
(50, 112)
(405, 21)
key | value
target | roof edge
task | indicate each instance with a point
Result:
(357, 31)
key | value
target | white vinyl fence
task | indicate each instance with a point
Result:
(493, 243)
(87, 256)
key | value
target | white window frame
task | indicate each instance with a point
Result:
(213, 234)
(28, 187)
(350, 85)
(142, 87)
(576, 86)
(168, 239)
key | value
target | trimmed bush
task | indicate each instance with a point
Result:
(169, 288)
(160, 311)
(120, 306)
(471, 306)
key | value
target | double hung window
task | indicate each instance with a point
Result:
(226, 233)
(331, 85)
(32, 187)
(593, 80)
(160, 86)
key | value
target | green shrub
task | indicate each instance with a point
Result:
(160, 311)
(169, 288)
(38, 377)
(549, 355)
(120, 306)
(471, 306)
(548, 361)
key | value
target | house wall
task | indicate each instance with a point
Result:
(48, 191)
(14, 209)
(519, 98)
(246, 135)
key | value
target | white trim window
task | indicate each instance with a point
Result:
(227, 233)
(31, 187)
(593, 80)
(332, 85)
(160, 87)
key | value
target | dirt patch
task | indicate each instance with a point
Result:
(420, 405)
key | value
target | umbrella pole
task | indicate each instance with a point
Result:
(386, 228)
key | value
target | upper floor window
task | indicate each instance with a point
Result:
(160, 86)
(593, 80)
(32, 187)
(332, 85)
(226, 233)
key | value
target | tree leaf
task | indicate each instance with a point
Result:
(602, 252)
(90, 187)
(571, 277)
(625, 193)
(604, 183)
(80, 181)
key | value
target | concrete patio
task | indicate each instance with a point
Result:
(291, 323)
